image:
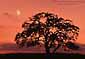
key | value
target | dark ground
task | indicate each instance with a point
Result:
(10, 51)
(41, 56)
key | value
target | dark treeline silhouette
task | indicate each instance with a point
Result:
(49, 30)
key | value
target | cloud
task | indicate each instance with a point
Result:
(1, 26)
(7, 14)
(69, 2)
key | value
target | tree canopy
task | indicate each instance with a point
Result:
(49, 30)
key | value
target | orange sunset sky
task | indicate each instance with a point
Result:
(14, 12)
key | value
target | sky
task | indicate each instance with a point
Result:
(14, 12)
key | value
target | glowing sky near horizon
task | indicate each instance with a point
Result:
(14, 12)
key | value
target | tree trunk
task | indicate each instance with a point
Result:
(47, 49)
(56, 48)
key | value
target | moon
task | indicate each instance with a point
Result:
(18, 12)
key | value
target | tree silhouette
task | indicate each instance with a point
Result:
(49, 30)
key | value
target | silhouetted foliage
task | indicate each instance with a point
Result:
(49, 30)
